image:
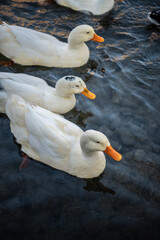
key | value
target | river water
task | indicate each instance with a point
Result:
(40, 202)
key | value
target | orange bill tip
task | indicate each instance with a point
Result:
(88, 94)
(112, 153)
(97, 38)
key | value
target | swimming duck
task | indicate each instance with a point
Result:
(96, 7)
(154, 17)
(49, 138)
(29, 47)
(36, 91)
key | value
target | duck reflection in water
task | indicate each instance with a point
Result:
(96, 186)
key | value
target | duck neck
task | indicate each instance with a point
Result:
(63, 94)
(88, 153)
(95, 161)
(75, 43)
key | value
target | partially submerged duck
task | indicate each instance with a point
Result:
(36, 91)
(154, 17)
(96, 7)
(29, 47)
(49, 138)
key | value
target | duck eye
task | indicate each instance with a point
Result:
(77, 86)
(97, 142)
(87, 32)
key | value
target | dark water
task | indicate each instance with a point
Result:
(123, 203)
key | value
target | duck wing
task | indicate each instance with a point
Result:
(61, 124)
(23, 78)
(28, 38)
(49, 136)
(29, 93)
(30, 88)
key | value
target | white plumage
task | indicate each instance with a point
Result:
(28, 47)
(36, 91)
(96, 7)
(49, 138)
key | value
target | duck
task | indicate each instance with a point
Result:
(49, 138)
(154, 17)
(96, 7)
(36, 91)
(25, 46)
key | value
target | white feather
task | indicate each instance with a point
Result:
(49, 138)
(96, 7)
(29, 47)
(36, 91)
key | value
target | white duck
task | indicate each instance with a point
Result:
(36, 91)
(28, 47)
(96, 7)
(49, 138)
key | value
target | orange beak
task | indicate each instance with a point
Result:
(112, 153)
(97, 38)
(88, 94)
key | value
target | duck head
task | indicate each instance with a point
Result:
(92, 141)
(83, 33)
(69, 85)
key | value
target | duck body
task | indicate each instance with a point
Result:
(36, 91)
(96, 7)
(154, 17)
(49, 138)
(29, 47)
